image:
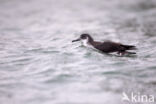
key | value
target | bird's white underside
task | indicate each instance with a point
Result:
(86, 43)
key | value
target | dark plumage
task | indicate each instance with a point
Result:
(107, 46)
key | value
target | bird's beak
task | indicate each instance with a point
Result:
(76, 40)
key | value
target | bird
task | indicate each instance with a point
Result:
(106, 46)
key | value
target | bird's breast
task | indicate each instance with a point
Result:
(86, 44)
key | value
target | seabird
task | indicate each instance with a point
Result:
(107, 46)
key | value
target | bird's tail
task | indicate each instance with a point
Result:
(129, 47)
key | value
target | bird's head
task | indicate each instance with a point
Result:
(84, 37)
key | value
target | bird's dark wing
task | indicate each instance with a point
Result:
(109, 46)
(129, 47)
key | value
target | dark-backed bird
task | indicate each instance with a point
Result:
(107, 46)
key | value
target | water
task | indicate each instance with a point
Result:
(40, 65)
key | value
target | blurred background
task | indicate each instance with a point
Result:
(40, 65)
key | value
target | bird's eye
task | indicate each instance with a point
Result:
(83, 37)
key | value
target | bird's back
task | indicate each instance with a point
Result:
(109, 46)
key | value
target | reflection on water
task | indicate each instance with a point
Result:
(40, 65)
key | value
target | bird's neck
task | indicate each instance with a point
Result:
(91, 42)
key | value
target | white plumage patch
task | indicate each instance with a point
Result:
(85, 42)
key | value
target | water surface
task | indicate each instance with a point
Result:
(40, 65)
